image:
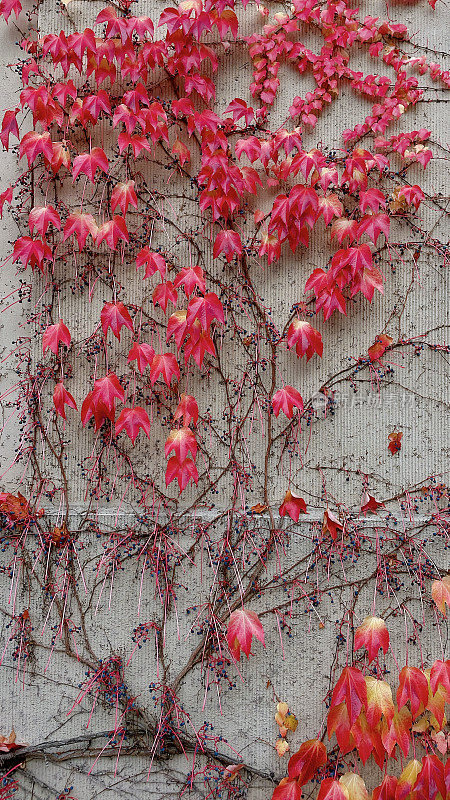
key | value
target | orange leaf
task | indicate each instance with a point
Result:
(372, 635)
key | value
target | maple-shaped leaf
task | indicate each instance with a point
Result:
(55, 334)
(344, 229)
(370, 503)
(229, 243)
(430, 780)
(373, 635)
(166, 365)
(142, 353)
(88, 164)
(313, 160)
(293, 505)
(182, 441)
(115, 26)
(34, 144)
(330, 789)
(189, 278)
(287, 790)
(31, 251)
(304, 764)
(397, 732)
(374, 224)
(440, 592)
(407, 779)
(413, 195)
(131, 420)
(330, 206)
(371, 198)
(307, 340)
(350, 689)
(379, 347)
(331, 300)
(183, 471)
(395, 441)
(123, 195)
(285, 400)
(366, 282)
(379, 701)
(198, 344)
(331, 525)
(81, 226)
(41, 217)
(413, 686)
(112, 231)
(62, 398)
(187, 410)
(100, 402)
(205, 309)
(137, 143)
(242, 626)
(440, 676)
(358, 258)
(355, 786)
(239, 108)
(115, 316)
(163, 294)
(153, 262)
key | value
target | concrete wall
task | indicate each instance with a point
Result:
(341, 445)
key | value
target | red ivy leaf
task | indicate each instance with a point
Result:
(183, 471)
(307, 340)
(131, 420)
(165, 365)
(293, 505)
(350, 689)
(372, 635)
(304, 764)
(187, 409)
(285, 400)
(55, 334)
(62, 398)
(142, 353)
(413, 686)
(242, 626)
(115, 316)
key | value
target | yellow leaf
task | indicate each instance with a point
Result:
(409, 776)
(281, 746)
(291, 722)
(379, 700)
(355, 786)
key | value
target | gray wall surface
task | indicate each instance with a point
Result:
(345, 441)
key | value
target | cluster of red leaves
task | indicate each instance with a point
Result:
(367, 720)
(339, 191)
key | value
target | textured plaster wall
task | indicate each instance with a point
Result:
(354, 437)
